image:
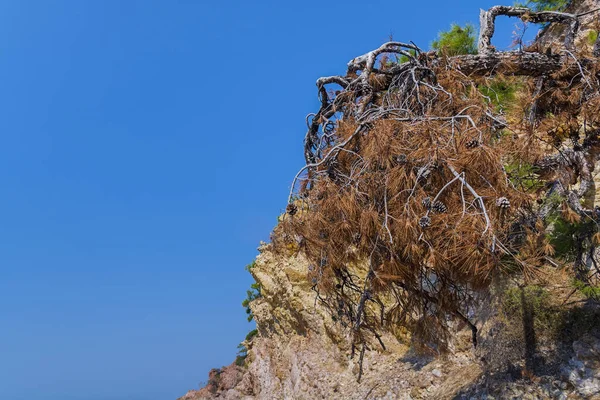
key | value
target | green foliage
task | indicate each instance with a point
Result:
(513, 298)
(563, 236)
(592, 37)
(240, 359)
(545, 5)
(523, 176)
(251, 335)
(252, 294)
(404, 58)
(250, 266)
(589, 291)
(457, 41)
(500, 93)
(534, 299)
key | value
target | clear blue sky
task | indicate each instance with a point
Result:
(146, 148)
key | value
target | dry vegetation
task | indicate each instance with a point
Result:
(437, 175)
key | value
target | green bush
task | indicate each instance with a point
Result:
(535, 298)
(457, 41)
(589, 291)
(500, 93)
(252, 294)
(240, 359)
(565, 235)
(251, 335)
(592, 37)
(250, 266)
(523, 176)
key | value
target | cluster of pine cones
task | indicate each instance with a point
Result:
(437, 206)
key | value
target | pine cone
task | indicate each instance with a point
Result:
(401, 159)
(426, 202)
(424, 222)
(503, 203)
(471, 144)
(291, 209)
(439, 207)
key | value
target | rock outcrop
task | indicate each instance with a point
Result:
(302, 353)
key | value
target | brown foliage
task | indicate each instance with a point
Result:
(409, 209)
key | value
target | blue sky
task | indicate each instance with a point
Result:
(146, 148)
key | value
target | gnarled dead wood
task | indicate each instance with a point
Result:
(487, 19)
(513, 62)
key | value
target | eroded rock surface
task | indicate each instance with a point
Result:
(302, 353)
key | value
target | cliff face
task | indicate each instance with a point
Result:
(302, 353)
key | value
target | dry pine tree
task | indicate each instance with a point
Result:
(421, 187)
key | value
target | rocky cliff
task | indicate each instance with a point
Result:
(537, 338)
(302, 353)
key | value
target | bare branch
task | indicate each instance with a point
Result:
(487, 21)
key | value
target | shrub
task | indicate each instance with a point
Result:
(589, 291)
(240, 359)
(250, 266)
(458, 40)
(592, 36)
(500, 92)
(252, 294)
(537, 299)
(524, 176)
(566, 233)
(562, 237)
(251, 335)
(528, 316)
